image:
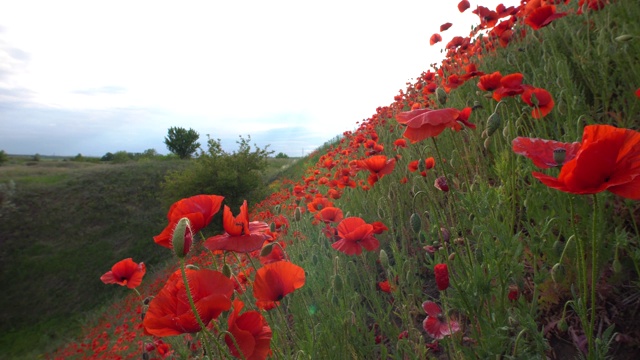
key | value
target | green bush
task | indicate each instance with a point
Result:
(3, 157)
(236, 176)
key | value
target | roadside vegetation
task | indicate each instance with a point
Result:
(490, 211)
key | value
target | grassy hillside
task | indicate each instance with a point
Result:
(447, 225)
(71, 221)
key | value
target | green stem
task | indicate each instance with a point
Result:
(594, 274)
(194, 309)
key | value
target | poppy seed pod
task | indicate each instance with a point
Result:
(559, 155)
(182, 238)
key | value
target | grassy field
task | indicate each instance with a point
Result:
(467, 253)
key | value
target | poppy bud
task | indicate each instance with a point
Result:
(476, 105)
(559, 155)
(272, 227)
(441, 96)
(558, 247)
(226, 270)
(192, 267)
(459, 241)
(624, 38)
(415, 222)
(452, 256)
(493, 123)
(147, 300)
(446, 235)
(487, 142)
(266, 250)
(617, 266)
(562, 325)
(276, 209)
(384, 259)
(297, 215)
(442, 276)
(314, 259)
(421, 165)
(182, 238)
(334, 300)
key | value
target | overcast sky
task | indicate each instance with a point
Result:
(93, 77)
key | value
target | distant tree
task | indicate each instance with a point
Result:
(282, 155)
(149, 153)
(3, 157)
(107, 157)
(182, 142)
(36, 157)
(121, 157)
(78, 157)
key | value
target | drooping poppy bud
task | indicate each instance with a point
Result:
(266, 250)
(416, 223)
(182, 238)
(441, 184)
(493, 123)
(384, 259)
(442, 276)
(441, 96)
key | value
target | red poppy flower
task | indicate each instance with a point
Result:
(542, 151)
(510, 85)
(378, 166)
(199, 209)
(490, 82)
(608, 159)
(463, 5)
(441, 184)
(638, 93)
(435, 38)
(543, 101)
(329, 215)
(318, 203)
(434, 324)
(125, 273)
(274, 281)
(354, 234)
(386, 287)
(169, 312)
(426, 123)
(240, 234)
(445, 26)
(402, 143)
(379, 227)
(442, 276)
(251, 333)
(543, 16)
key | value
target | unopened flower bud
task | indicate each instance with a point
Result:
(226, 270)
(297, 214)
(272, 227)
(476, 105)
(617, 266)
(266, 250)
(192, 267)
(559, 155)
(452, 256)
(384, 259)
(562, 325)
(624, 38)
(337, 283)
(441, 96)
(493, 123)
(446, 235)
(416, 222)
(182, 238)
(147, 300)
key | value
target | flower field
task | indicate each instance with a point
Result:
(490, 211)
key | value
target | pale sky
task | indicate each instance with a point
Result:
(93, 77)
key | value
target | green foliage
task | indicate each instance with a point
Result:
(107, 157)
(121, 157)
(3, 157)
(182, 142)
(236, 176)
(282, 155)
(36, 157)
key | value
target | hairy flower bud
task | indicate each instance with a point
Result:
(441, 96)
(415, 222)
(266, 250)
(384, 259)
(182, 238)
(493, 123)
